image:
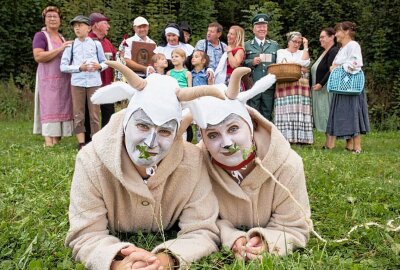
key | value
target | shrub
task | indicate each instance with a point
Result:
(14, 102)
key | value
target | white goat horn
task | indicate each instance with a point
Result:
(133, 79)
(191, 93)
(234, 82)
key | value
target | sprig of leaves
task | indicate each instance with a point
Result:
(233, 148)
(144, 153)
(247, 152)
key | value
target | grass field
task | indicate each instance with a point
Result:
(344, 189)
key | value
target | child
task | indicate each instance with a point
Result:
(85, 60)
(200, 61)
(181, 74)
(159, 63)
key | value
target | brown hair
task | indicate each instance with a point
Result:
(239, 35)
(48, 9)
(216, 25)
(203, 56)
(156, 57)
(329, 31)
(347, 26)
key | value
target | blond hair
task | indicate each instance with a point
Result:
(179, 52)
(239, 31)
(156, 57)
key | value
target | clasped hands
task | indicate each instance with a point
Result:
(249, 250)
(141, 259)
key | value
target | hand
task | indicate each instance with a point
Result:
(66, 44)
(228, 48)
(256, 61)
(317, 87)
(95, 67)
(150, 70)
(255, 247)
(210, 75)
(305, 69)
(239, 248)
(166, 261)
(136, 258)
(332, 67)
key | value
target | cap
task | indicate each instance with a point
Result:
(260, 18)
(81, 19)
(140, 21)
(97, 17)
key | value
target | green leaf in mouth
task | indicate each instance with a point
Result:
(144, 153)
(233, 148)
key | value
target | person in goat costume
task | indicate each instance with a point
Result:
(257, 178)
(138, 174)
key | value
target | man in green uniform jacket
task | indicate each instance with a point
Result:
(260, 53)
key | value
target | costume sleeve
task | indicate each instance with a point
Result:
(248, 61)
(354, 59)
(198, 236)
(304, 63)
(229, 233)
(88, 236)
(39, 41)
(100, 55)
(65, 62)
(128, 49)
(287, 228)
(280, 55)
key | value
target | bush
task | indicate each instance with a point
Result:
(14, 102)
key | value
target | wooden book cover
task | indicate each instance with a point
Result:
(142, 52)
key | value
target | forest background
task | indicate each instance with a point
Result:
(378, 32)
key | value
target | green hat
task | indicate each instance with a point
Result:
(260, 18)
(80, 19)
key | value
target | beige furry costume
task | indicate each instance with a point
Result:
(259, 204)
(108, 194)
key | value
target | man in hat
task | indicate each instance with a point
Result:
(260, 53)
(141, 28)
(100, 27)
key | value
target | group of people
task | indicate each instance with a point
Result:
(241, 187)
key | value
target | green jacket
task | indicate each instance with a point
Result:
(253, 50)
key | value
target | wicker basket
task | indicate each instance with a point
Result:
(285, 72)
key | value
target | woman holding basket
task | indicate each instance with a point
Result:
(293, 112)
(348, 115)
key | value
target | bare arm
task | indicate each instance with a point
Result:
(189, 78)
(235, 60)
(42, 56)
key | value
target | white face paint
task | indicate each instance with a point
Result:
(232, 131)
(141, 132)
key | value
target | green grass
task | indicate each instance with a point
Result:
(344, 189)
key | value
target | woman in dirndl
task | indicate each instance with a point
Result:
(348, 115)
(53, 102)
(293, 110)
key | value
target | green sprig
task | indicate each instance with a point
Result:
(144, 153)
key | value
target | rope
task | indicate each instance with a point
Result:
(389, 225)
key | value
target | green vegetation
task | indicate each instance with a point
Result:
(378, 31)
(344, 189)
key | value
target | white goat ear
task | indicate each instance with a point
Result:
(112, 93)
(259, 86)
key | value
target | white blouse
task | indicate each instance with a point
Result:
(291, 57)
(167, 50)
(350, 56)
